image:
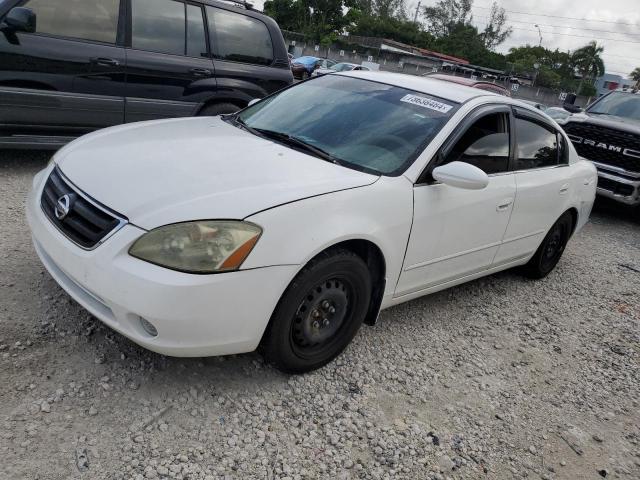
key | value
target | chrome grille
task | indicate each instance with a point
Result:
(81, 219)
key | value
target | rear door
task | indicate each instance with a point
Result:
(243, 54)
(69, 74)
(169, 67)
(543, 179)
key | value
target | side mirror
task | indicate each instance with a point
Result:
(20, 19)
(461, 175)
(253, 101)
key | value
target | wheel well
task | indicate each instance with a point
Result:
(373, 257)
(574, 217)
(215, 101)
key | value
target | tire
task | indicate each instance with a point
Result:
(218, 109)
(551, 249)
(319, 313)
(305, 75)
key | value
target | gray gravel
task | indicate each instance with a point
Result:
(499, 378)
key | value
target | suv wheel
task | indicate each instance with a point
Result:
(218, 109)
(319, 313)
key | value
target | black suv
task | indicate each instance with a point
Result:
(68, 67)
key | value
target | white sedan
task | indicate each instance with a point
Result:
(289, 224)
(339, 67)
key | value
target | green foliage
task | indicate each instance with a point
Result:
(635, 75)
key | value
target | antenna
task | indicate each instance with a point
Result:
(244, 3)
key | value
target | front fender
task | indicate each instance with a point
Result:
(296, 232)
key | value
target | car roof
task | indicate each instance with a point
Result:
(432, 86)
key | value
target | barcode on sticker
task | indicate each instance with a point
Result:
(426, 103)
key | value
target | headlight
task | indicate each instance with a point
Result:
(206, 246)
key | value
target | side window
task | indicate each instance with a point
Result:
(95, 20)
(158, 26)
(239, 38)
(485, 144)
(196, 39)
(537, 145)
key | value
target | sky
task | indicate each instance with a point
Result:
(615, 24)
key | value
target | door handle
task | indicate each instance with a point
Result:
(200, 72)
(564, 189)
(506, 203)
(105, 62)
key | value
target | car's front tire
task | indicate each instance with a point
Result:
(319, 313)
(551, 249)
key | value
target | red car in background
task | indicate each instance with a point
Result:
(481, 84)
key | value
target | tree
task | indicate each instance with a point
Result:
(447, 15)
(495, 32)
(635, 75)
(588, 62)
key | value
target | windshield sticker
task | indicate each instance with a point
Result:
(426, 103)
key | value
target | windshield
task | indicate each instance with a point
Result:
(620, 104)
(340, 67)
(361, 124)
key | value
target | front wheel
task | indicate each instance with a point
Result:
(319, 313)
(549, 252)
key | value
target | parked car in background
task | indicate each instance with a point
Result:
(294, 221)
(68, 67)
(481, 84)
(303, 67)
(339, 67)
(607, 132)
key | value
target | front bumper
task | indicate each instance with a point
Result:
(618, 184)
(195, 315)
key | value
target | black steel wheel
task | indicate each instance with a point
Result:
(319, 313)
(551, 249)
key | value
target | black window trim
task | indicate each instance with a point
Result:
(536, 118)
(119, 28)
(128, 31)
(213, 46)
(425, 177)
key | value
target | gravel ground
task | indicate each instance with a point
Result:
(499, 378)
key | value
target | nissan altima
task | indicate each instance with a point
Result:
(289, 224)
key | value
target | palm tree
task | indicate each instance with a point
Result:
(588, 62)
(635, 75)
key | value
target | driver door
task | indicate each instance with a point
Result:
(456, 232)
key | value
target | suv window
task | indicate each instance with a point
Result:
(158, 26)
(537, 145)
(485, 144)
(239, 38)
(95, 20)
(196, 38)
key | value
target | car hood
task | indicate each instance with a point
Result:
(168, 171)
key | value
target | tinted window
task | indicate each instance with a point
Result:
(485, 145)
(239, 38)
(158, 26)
(196, 40)
(537, 145)
(85, 19)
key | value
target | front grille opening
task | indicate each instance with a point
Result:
(613, 139)
(615, 187)
(85, 223)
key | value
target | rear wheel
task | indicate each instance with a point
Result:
(305, 75)
(218, 109)
(319, 313)
(549, 252)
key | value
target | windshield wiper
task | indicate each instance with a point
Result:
(599, 113)
(297, 142)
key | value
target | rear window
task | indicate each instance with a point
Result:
(238, 38)
(95, 20)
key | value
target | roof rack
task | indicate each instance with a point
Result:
(244, 3)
